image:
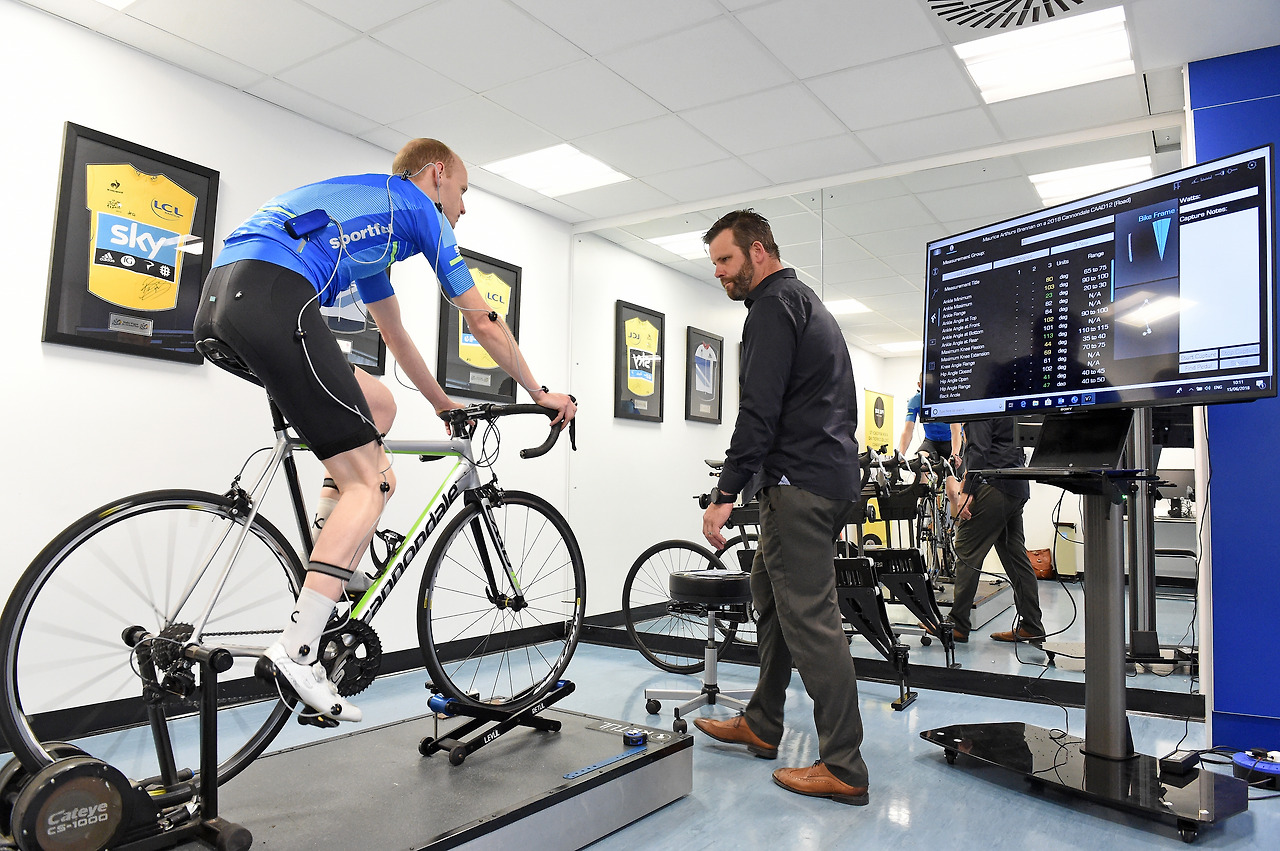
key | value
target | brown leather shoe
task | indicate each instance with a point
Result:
(817, 781)
(1019, 634)
(736, 732)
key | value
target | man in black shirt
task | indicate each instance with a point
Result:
(796, 420)
(991, 515)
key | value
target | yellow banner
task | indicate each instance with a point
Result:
(877, 420)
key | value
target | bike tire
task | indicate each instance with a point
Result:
(478, 650)
(66, 672)
(672, 638)
(730, 554)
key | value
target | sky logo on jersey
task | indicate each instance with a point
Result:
(164, 210)
(137, 239)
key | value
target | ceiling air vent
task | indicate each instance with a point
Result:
(998, 14)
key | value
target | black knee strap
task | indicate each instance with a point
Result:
(329, 483)
(329, 570)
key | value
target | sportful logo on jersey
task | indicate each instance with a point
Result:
(366, 232)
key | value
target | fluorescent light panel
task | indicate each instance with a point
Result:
(556, 171)
(839, 307)
(1055, 187)
(1057, 55)
(688, 245)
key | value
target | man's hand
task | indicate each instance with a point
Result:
(442, 411)
(562, 402)
(959, 501)
(713, 520)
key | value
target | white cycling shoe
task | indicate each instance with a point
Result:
(311, 684)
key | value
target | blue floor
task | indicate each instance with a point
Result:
(917, 799)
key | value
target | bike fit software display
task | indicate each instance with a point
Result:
(1157, 293)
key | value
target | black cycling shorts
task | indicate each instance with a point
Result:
(254, 306)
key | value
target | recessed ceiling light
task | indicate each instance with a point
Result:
(1055, 187)
(556, 171)
(908, 346)
(1063, 53)
(688, 245)
(839, 307)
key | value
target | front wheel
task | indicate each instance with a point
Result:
(148, 560)
(492, 637)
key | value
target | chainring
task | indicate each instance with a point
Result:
(352, 655)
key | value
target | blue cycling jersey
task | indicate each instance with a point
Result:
(939, 432)
(375, 221)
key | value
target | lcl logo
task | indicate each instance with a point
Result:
(168, 211)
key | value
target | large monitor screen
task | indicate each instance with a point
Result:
(1160, 293)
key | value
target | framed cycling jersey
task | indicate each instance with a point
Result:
(130, 247)
(462, 365)
(640, 338)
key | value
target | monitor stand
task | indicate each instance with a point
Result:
(1103, 766)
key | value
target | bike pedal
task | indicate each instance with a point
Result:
(324, 722)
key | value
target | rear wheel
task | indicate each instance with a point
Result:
(147, 560)
(505, 643)
(671, 635)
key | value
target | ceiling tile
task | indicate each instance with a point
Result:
(284, 32)
(486, 43)
(651, 147)
(996, 200)
(885, 214)
(478, 130)
(712, 180)
(366, 16)
(387, 138)
(911, 266)
(964, 174)
(688, 68)
(668, 225)
(830, 251)
(1087, 153)
(831, 197)
(815, 158)
(599, 26)
(307, 104)
(902, 241)
(897, 90)
(815, 37)
(936, 134)
(178, 51)
(794, 113)
(897, 303)
(863, 290)
(557, 100)
(618, 199)
(1076, 108)
(341, 76)
(857, 270)
(89, 13)
(1168, 33)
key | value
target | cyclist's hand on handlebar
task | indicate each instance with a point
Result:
(565, 404)
(443, 413)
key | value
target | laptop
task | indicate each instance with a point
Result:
(1090, 442)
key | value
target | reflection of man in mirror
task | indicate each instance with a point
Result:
(937, 436)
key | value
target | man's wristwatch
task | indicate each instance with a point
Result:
(719, 497)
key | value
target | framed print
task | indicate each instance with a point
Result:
(703, 376)
(462, 365)
(357, 333)
(637, 365)
(130, 248)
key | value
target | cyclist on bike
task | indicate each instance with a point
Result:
(297, 252)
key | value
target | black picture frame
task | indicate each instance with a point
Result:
(703, 376)
(125, 274)
(356, 333)
(638, 362)
(461, 364)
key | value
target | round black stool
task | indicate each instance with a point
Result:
(719, 591)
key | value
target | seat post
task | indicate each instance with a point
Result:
(710, 651)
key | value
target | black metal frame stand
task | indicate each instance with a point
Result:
(503, 721)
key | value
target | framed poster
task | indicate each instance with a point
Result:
(462, 365)
(357, 333)
(703, 376)
(637, 363)
(129, 248)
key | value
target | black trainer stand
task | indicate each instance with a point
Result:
(1102, 767)
(503, 721)
(101, 808)
(862, 605)
(903, 573)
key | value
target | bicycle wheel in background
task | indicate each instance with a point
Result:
(510, 647)
(67, 674)
(671, 635)
(737, 554)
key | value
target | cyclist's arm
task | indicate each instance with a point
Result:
(386, 313)
(498, 341)
(908, 429)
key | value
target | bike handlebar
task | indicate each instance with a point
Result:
(462, 423)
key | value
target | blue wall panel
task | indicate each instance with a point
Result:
(1236, 102)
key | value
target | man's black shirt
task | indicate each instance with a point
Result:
(990, 445)
(798, 406)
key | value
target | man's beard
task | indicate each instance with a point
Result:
(739, 286)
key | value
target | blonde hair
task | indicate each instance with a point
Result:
(420, 153)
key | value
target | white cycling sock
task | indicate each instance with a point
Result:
(301, 637)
